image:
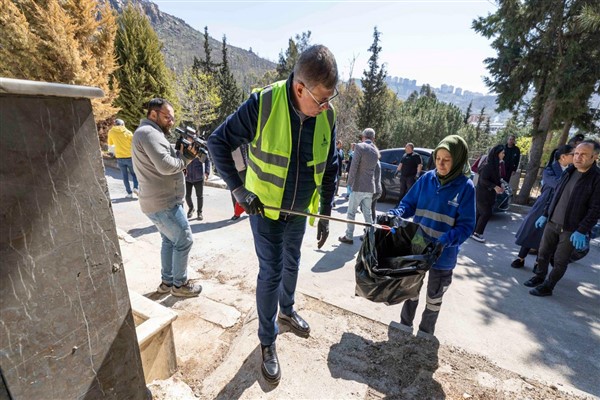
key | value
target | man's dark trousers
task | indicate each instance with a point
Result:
(277, 244)
(406, 183)
(558, 242)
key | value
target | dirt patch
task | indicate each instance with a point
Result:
(346, 357)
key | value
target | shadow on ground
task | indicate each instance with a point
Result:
(245, 377)
(401, 367)
(569, 316)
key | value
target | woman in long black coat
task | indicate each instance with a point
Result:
(488, 186)
(528, 237)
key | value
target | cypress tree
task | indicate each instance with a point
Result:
(468, 113)
(68, 42)
(229, 92)
(207, 65)
(143, 74)
(372, 107)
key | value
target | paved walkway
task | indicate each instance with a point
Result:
(487, 309)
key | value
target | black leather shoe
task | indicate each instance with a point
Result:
(299, 326)
(541, 291)
(346, 240)
(518, 263)
(200, 217)
(535, 281)
(270, 364)
(190, 213)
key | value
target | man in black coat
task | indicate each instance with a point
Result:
(512, 157)
(569, 218)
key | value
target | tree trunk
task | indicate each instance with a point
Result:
(565, 133)
(537, 147)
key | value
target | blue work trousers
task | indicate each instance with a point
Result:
(126, 167)
(177, 242)
(277, 244)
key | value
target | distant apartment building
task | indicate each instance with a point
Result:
(447, 89)
(458, 91)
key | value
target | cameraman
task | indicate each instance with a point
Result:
(160, 169)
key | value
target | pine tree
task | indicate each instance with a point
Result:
(425, 121)
(544, 46)
(372, 107)
(229, 92)
(143, 74)
(68, 42)
(286, 63)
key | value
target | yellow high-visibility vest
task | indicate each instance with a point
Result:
(270, 151)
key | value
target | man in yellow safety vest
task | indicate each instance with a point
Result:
(292, 165)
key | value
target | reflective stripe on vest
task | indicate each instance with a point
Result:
(269, 155)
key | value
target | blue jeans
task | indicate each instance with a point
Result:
(364, 200)
(126, 167)
(277, 245)
(176, 243)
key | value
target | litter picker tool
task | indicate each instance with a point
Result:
(327, 217)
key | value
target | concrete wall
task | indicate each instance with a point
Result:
(66, 326)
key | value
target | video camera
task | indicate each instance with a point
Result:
(190, 139)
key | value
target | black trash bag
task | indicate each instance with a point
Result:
(390, 267)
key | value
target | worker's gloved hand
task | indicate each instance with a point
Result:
(438, 248)
(322, 232)
(395, 212)
(540, 222)
(579, 240)
(249, 201)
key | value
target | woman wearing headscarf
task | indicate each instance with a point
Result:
(488, 186)
(528, 237)
(442, 202)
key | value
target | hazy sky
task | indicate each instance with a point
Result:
(430, 41)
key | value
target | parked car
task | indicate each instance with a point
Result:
(390, 158)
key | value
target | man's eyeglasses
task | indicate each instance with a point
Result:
(167, 115)
(322, 103)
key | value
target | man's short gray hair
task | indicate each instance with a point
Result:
(595, 145)
(316, 65)
(119, 122)
(368, 133)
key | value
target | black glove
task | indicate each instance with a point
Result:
(249, 201)
(322, 232)
(438, 248)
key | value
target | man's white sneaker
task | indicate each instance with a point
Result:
(129, 196)
(477, 237)
(136, 191)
